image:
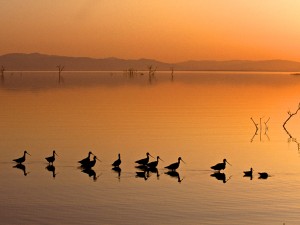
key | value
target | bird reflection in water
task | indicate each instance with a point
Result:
(21, 167)
(174, 174)
(144, 174)
(154, 170)
(51, 168)
(220, 176)
(118, 170)
(91, 173)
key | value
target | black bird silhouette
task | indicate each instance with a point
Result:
(117, 162)
(145, 160)
(249, 173)
(220, 166)
(51, 159)
(90, 164)
(154, 163)
(22, 159)
(174, 166)
(263, 175)
(87, 159)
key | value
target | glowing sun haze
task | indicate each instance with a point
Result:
(167, 30)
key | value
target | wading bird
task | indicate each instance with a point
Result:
(174, 166)
(87, 159)
(117, 162)
(220, 166)
(90, 164)
(22, 159)
(51, 159)
(145, 160)
(152, 165)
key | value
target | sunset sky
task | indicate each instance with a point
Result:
(167, 30)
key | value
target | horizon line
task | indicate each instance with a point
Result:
(143, 58)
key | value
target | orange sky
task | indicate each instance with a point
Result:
(167, 30)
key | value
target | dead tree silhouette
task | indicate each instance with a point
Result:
(2, 74)
(151, 73)
(60, 69)
(291, 138)
(258, 127)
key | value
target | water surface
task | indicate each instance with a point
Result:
(201, 116)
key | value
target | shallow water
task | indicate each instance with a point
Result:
(201, 116)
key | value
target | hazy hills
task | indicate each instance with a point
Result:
(36, 61)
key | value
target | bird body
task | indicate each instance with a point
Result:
(145, 160)
(174, 166)
(90, 164)
(220, 166)
(153, 164)
(117, 162)
(248, 173)
(263, 175)
(51, 159)
(22, 159)
(86, 160)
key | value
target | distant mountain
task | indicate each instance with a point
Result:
(42, 62)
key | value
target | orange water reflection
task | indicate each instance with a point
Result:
(201, 117)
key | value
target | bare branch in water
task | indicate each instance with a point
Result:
(60, 69)
(2, 73)
(291, 115)
(255, 124)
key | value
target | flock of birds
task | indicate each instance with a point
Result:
(143, 164)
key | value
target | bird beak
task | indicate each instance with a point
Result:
(151, 155)
(99, 160)
(161, 159)
(28, 153)
(55, 153)
(228, 163)
(183, 161)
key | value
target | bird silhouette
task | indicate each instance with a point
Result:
(154, 163)
(174, 166)
(87, 159)
(22, 159)
(51, 159)
(249, 173)
(90, 164)
(145, 160)
(263, 175)
(220, 166)
(117, 162)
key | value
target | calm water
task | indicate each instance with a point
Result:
(202, 117)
